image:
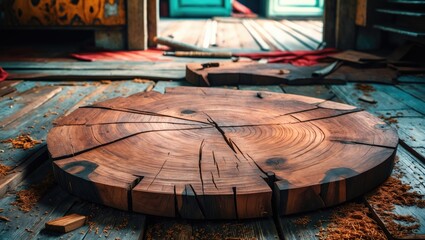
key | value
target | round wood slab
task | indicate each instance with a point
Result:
(207, 153)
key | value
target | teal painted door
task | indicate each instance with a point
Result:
(196, 8)
(294, 8)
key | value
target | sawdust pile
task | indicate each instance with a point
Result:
(24, 141)
(395, 192)
(4, 170)
(105, 81)
(302, 221)
(351, 221)
(388, 119)
(365, 88)
(28, 198)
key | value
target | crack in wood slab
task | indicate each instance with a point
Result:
(362, 143)
(201, 146)
(129, 110)
(223, 134)
(123, 122)
(327, 117)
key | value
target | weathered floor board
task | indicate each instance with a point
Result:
(161, 228)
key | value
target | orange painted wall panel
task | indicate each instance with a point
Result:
(63, 12)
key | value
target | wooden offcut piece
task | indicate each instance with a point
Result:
(67, 223)
(209, 153)
(253, 73)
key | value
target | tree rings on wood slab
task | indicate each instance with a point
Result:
(208, 153)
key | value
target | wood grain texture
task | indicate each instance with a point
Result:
(152, 21)
(208, 153)
(66, 223)
(346, 31)
(137, 24)
(329, 19)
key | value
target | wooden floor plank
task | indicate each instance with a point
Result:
(26, 102)
(226, 36)
(7, 87)
(411, 79)
(416, 90)
(301, 37)
(310, 24)
(38, 123)
(265, 34)
(247, 42)
(350, 94)
(307, 32)
(410, 100)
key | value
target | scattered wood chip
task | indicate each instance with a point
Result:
(284, 71)
(302, 221)
(105, 81)
(24, 141)
(67, 223)
(388, 119)
(138, 80)
(365, 88)
(3, 218)
(367, 99)
(49, 113)
(28, 198)
(4, 170)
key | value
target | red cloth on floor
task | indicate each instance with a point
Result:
(3, 74)
(297, 58)
(145, 55)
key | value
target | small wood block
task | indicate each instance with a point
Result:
(67, 223)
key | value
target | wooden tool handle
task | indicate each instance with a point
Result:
(199, 54)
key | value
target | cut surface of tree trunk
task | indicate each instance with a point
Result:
(208, 153)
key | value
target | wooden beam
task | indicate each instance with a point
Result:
(361, 13)
(153, 20)
(329, 23)
(346, 33)
(137, 24)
